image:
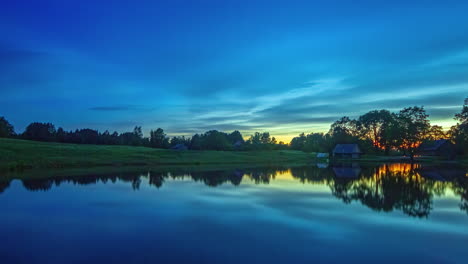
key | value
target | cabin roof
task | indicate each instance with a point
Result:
(347, 149)
(433, 145)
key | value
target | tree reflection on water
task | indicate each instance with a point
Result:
(387, 187)
(409, 188)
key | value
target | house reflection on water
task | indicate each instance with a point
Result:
(409, 188)
(352, 170)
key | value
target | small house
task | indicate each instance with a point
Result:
(238, 144)
(347, 151)
(441, 148)
(179, 147)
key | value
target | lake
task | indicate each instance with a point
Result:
(321, 213)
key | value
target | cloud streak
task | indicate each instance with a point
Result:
(118, 108)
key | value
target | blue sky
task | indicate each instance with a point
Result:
(190, 66)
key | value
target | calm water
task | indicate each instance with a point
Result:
(342, 213)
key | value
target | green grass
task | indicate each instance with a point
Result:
(22, 154)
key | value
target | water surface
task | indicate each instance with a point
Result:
(383, 213)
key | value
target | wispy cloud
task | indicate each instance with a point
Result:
(117, 108)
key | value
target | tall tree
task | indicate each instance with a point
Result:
(462, 117)
(215, 140)
(414, 126)
(158, 139)
(61, 135)
(87, 136)
(138, 136)
(374, 124)
(235, 137)
(40, 132)
(261, 141)
(255, 139)
(459, 132)
(436, 132)
(298, 143)
(137, 131)
(195, 142)
(6, 129)
(391, 133)
(265, 138)
(345, 130)
(180, 140)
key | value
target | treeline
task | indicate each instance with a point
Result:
(381, 131)
(378, 131)
(210, 140)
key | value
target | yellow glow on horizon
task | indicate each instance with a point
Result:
(285, 181)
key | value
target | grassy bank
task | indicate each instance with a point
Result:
(23, 154)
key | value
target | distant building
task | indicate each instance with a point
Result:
(347, 151)
(441, 148)
(238, 144)
(179, 147)
(322, 155)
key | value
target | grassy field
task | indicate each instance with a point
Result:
(23, 154)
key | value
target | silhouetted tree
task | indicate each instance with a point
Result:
(40, 132)
(87, 136)
(462, 117)
(414, 126)
(345, 130)
(459, 132)
(180, 140)
(6, 129)
(435, 133)
(195, 142)
(261, 141)
(298, 143)
(373, 125)
(61, 135)
(235, 137)
(215, 140)
(158, 139)
(138, 135)
(107, 138)
(115, 138)
(316, 142)
(129, 138)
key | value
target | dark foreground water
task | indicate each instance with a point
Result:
(395, 213)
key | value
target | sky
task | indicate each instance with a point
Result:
(190, 66)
